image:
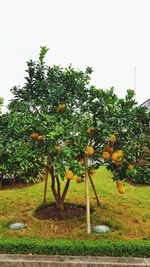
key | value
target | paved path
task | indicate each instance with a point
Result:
(7, 260)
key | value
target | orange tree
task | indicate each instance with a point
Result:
(130, 143)
(121, 135)
(57, 119)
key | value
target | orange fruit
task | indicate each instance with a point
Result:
(112, 139)
(116, 157)
(61, 107)
(105, 155)
(79, 180)
(90, 130)
(89, 150)
(118, 184)
(92, 171)
(120, 152)
(58, 148)
(34, 135)
(40, 138)
(121, 189)
(69, 175)
(108, 148)
(130, 167)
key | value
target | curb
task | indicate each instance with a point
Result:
(9, 260)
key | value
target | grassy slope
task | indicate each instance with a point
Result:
(127, 215)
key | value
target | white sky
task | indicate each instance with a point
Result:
(111, 36)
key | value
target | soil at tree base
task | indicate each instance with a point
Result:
(50, 211)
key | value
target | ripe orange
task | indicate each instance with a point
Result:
(40, 138)
(112, 139)
(34, 135)
(105, 155)
(130, 167)
(79, 180)
(69, 175)
(58, 148)
(92, 171)
(90, 130)
(121, 189)
(61, 107)
(120, 152)
(108, 148)
(116, 157)
(118, 184)
(89, 150)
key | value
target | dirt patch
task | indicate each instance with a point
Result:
(47, 212)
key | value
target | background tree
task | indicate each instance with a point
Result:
(131, 133)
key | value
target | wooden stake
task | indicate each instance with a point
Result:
(93, 186)
(46, 180)
(45, 186)
(87, 196)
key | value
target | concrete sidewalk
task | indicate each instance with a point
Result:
(7, 260)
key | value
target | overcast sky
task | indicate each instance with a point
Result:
(111, 36)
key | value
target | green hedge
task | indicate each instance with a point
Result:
(132, 248)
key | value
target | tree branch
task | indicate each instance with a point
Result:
(58, 185)
(65, 190)
(53, 183)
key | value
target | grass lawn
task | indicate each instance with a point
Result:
(127, 215)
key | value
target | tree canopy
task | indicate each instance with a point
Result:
(58, 117)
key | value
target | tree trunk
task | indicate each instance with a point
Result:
(60, 205)
(55, 183)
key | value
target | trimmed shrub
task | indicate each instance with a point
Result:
(132, 248)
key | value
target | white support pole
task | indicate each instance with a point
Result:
(87, 197)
